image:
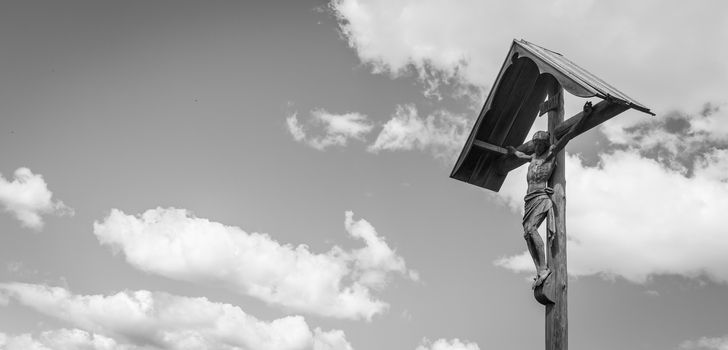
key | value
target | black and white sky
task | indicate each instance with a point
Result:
(274, 175)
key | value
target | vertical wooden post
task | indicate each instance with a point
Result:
(556, 313)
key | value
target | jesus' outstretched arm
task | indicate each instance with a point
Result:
(561, 143)
(512, 150)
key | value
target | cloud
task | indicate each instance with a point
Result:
(394, 38)
(652, 293)
(441, 133)
(27, 197)
(331, 340)
(157, 320)
(662, 61)
(334, 129)
(295, 128)
(706, 343)
(173, 243)
(634, 217)
(677, 139)
(444, 344)
(62, 339)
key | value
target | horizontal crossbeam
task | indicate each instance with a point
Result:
(489, 147)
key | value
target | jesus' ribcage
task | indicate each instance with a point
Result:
(539, 171)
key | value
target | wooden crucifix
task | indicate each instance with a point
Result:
(529, 75)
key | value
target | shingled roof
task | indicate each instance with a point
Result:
(513, 104)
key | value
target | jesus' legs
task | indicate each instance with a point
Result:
(536, 248)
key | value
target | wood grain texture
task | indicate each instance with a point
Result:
(557, 335)
(489, 147)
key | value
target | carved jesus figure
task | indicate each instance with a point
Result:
(538, 205)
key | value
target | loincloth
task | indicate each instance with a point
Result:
(539, 207)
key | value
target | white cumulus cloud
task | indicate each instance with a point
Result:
(445, 344)
(330, 129)
(173, 243)
(157, 320)
(27, 197)
(661, 61)
(441, 133)
(409, 37)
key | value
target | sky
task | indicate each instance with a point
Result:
(275, 175)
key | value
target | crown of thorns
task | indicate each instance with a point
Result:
(541, 136)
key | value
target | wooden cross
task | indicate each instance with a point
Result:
(529, 75)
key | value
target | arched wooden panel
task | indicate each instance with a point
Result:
(512, 90)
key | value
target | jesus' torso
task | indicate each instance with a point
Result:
(539, 172)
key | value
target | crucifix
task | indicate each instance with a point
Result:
(530, 83)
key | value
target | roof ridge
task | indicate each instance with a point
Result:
(540, 47)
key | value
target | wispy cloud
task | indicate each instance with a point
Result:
(157, 320)
(676, 139)
(445, 344)
(62, 339)
(324, 130)
(175, 244)
(440, 133)
(27, 197)
(706, 343)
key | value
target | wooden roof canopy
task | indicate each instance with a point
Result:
(514, 102)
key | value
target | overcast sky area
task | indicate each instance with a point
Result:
(275, 175)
